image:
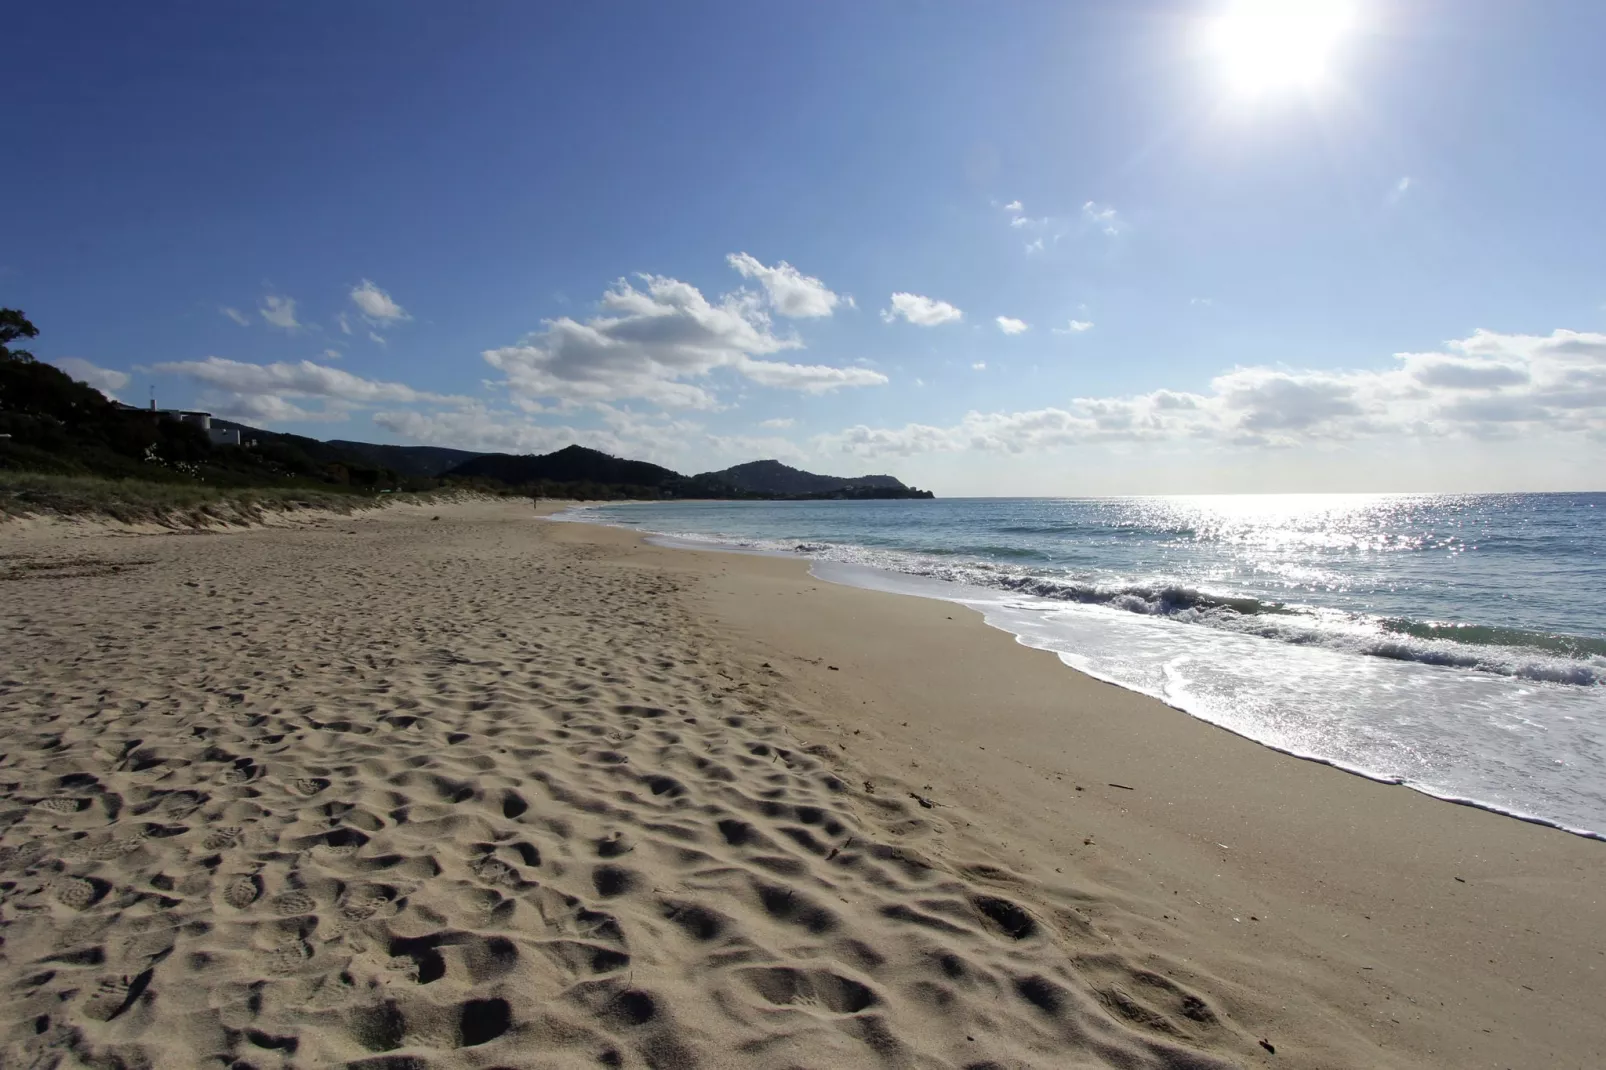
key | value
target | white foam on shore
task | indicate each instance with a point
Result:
(1516, 745)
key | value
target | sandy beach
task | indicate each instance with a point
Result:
(458, 786)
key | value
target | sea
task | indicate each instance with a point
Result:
(1453, 643)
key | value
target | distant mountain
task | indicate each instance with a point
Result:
(567, 468)
(773, 477)
(572, 464)
(407, 460)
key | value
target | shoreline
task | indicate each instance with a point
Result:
(911, 584)
(1302, 837)
(484, 790)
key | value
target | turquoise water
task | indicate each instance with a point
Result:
(1455, 643)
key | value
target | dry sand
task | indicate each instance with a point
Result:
(489, 791)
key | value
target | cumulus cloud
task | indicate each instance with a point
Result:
(921, 311)
(107, 380)
(279, 311)
(1010, 325)
(648, 342)
(376, 305)
(1014, 206)
(262, 391)
(1488, 385)
(1075, 327)
(1103, 216)
(236, 315)
(791, 293)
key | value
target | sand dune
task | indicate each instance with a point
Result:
(392, 792)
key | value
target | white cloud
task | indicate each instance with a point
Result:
(1035, 246)
(106, 380)
(266, 408)
(376, 337)
(301, 379)
(780, 423)
(1486, 386)
(1103, 216)
(236, 315)
(791, 293)
(809, 378)
(376, 305)
(1075, 327)
(1010, 325)
(1014, 206)
(921, 311)
(331, 354)
(647, 342)
(279, 311)
(1400, 189)
(979, 366)
(344, 321)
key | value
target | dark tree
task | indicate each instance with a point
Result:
(14, 325)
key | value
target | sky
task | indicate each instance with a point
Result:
(1158, 246)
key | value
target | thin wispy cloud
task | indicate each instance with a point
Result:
(1075, 327)
(1104, 217)
(236, 315)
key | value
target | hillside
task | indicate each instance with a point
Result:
(773, 477)
(572, 464)
(406, 460)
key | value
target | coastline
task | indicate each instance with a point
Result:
(1358, 885)
(1293, 696)
(503, 722)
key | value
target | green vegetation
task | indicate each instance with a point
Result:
(170, 503)
(50, 423)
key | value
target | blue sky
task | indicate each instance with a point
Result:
(680, 232)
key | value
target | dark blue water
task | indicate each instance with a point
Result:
(1453, 642)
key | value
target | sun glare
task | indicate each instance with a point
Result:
(1264, 46)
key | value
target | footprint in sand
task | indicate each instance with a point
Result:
(291, 904)
(309, 785)
(80, 893)
(113, 995)
(220, 838)
(242, 891)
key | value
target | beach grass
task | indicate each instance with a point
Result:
(170, 504)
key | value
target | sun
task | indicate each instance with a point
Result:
(1268, 46)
